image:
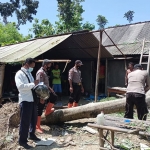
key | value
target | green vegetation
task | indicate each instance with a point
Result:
(101, 21)
(108, 99)
(10, 34)
(129, 15)
(22, 9)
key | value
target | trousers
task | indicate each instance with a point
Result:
(28, 120)
(138, 100)
(76, 95)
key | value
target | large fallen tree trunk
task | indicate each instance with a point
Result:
(87, 111)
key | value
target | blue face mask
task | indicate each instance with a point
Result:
(30, 69)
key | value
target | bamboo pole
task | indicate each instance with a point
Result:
(98, 66)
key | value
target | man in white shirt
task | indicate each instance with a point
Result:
(28, 108)
(138, 85)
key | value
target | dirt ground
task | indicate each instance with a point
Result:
(68, 136)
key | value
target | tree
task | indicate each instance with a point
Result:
(70, 16)
(90, 110)
(23, 9)
(101, 21)
(10, 35)
(88, 26)
(129, 15)
(45, 28)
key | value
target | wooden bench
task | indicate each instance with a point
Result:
(117, 127)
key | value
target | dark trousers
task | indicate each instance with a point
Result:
(75, 96)
(28, 120)
(139, 101)
(52, 99)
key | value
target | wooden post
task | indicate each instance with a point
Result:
(112, 138)
(106, 75)
(2, 72)
(98, 66)
(101, 141)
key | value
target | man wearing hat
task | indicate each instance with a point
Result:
(138, 85)
(75, 82)
(42, 76)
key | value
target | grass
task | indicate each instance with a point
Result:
(108, 99)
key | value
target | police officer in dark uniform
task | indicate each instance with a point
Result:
(42, 76)
(75, 82)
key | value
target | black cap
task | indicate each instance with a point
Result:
(46, 61)
(79, 62)
(138, 66)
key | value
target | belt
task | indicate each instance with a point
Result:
(77, 83)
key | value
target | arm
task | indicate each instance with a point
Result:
(147, 85)
(82, 89)
(126, 78)
(19, 79)
(70, 80)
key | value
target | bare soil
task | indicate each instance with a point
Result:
(69, 136)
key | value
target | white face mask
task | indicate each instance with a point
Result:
(30, 69)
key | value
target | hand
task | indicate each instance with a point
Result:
(82, 90)
(126, 84)
(71, 90)
(36, 82)
(42, 101)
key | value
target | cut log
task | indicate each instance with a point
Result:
(90, 110)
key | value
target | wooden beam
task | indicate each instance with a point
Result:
(55, 60)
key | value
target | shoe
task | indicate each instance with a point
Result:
(38, 125)
(49, 109)
(34, 138)
(75, 104)
(70, 105)
(25, 145)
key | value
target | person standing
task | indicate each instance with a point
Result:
(42, 76)
(28, 108)
(75, 82)
(56, 80)
(130, 69)
(138, 85)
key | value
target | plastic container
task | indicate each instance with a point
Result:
(100, 118)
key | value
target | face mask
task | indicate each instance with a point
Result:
(48, 68)
(30, 69)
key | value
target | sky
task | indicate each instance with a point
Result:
(113, 10)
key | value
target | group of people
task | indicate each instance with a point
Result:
(30, 109)
(138, 83)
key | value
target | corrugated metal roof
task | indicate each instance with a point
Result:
(21, 51)
(78, 46)
(72, 46)
(128, 38)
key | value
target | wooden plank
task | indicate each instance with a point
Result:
(55, 60)
(117, 129)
